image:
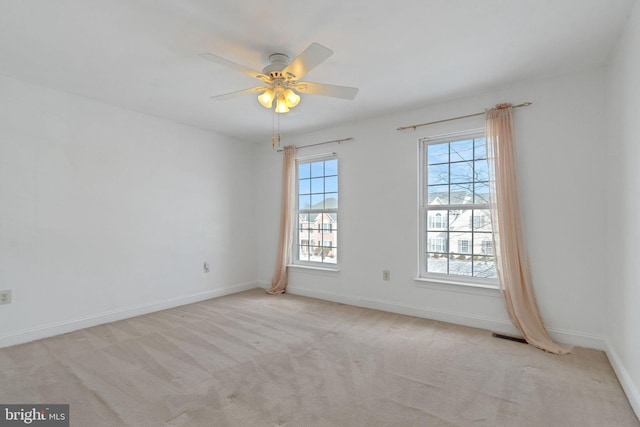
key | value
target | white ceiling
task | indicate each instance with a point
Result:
(143, 54)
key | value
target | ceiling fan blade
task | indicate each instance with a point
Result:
(344, 92)
(230, 95)
(221, 61)
(311, 57)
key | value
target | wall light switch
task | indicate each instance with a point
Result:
(205, 267)
(386, 275)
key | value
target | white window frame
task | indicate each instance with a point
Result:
(423, 208)
(296, 261)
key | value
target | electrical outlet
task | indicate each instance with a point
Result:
(386, 275)
(205, 267)
(5, 297)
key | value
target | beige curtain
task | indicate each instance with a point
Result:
(511, 255)
(287, 221)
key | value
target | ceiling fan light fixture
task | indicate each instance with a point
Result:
(281, 104)
(291, 98)
(266, 98)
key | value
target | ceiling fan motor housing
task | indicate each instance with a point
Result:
(278, 62)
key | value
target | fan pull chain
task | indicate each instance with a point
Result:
(273, 129)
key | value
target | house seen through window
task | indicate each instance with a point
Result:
(456, 235)
(317, 213)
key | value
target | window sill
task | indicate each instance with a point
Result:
(314, 268)
(458, 286)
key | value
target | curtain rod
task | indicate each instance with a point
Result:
(524, 104)
(321, 143)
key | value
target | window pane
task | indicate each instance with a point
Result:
(331, 167)
(437, 263)
(331, 256)
(460, 265)
(461, 150)
(461, 172)
(303, 237)
(314, 253)
(480, 148)
(304, 170)
(481, 170)
(333, 220)
(329, 226)
(317, 201)
(437, 242)
(461, 194)
(329, 240)
(460, 220)
(438, 174)
(482, 220)
(303, 253)
(331, 184)
(485, 268)
(460, 243)
(317, 185)
(304, 186)
(312, 224)
(317, 169)
(481, 193)
(438, 153)
(304, 202)
(331, 201)
(438, 194)
(437, 220)
(483, 244)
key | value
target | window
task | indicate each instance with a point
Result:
(455, 220)
(487, 247)
(436, 221)
(436, 245)
(317, 228)
(463, 246)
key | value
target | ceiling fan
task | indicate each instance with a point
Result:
(281, 79)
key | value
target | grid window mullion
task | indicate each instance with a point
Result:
(318, 189)
(459, 187)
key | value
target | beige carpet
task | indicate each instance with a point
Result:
(256, 360)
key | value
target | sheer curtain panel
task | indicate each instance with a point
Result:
(512, 261)
(287, 222)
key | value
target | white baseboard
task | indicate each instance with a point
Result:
(578, 339)
(497, 325)
(630, 389)
(574, 338)
(58, 328)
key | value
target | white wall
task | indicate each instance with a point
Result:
(560, 154)
(623, 209)
(107, 213)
